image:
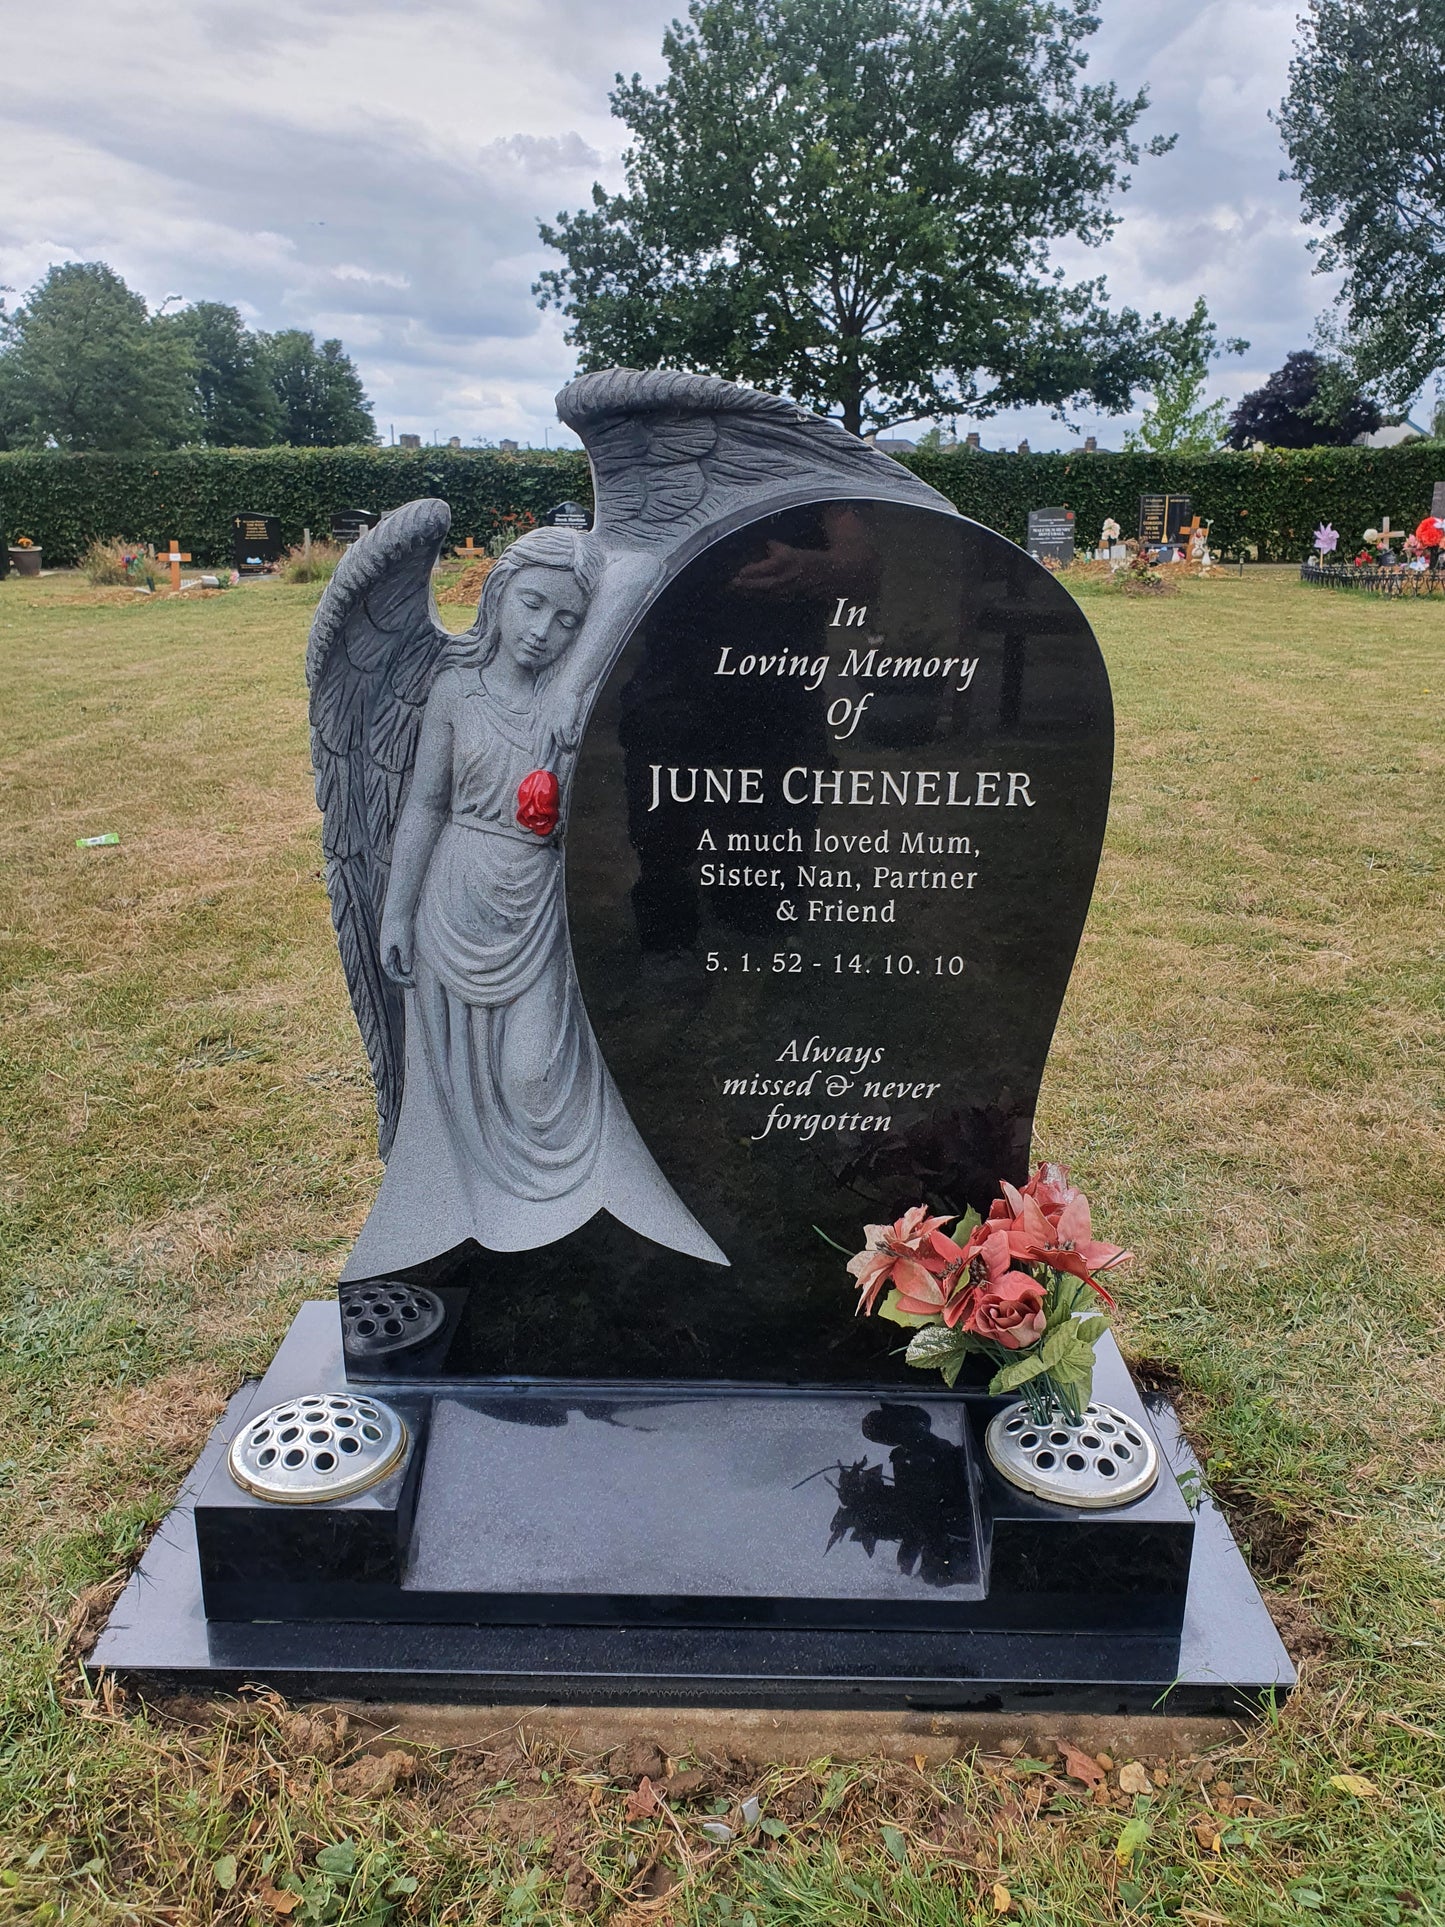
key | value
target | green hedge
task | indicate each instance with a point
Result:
(1269, 503)
(64, 502)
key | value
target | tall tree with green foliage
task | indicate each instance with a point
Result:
(1180, 421)
(84, 365)
(323, 404)
(852, 202)
(1364, 124)
(238, 400)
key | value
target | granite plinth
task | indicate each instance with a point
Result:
(734, 1642)
(634, 1504)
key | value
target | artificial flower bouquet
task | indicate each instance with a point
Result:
(1018, 1287)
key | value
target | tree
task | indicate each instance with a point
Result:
(1181, 422)
(1309, 403)
(323, 404)
(851, 201)
(238, 402)
(83, 364)
(1364, 124)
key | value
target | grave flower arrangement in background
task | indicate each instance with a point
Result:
(1019, 1288)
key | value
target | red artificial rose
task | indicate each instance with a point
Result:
(1431, 532)
(1013, 1316)
(538, 799)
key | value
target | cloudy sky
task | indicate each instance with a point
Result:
(375, 169)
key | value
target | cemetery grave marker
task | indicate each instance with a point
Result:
(568, 515)
(174, 556)
(255, 542)
(1160, 519)
(348, 524)
(1051, 535)
(715, 894)
(1437, 502)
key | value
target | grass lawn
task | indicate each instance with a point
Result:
(1247, 1080)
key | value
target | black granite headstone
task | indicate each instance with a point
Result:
(568, 515)
(831, 846)
(255, 542)
(1437, 502)
(1161, 517)
(4, 556)
(348, 524)
(1051, 535)
(812, 829)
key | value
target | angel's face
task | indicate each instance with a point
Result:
(542, 610)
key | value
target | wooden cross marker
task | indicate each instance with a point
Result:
(1385, 532)
(175, 555)
(1188, 532)
(470, 549)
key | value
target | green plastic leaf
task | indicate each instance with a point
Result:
(896, 1844)
(934, 1345)
(224, 1872)
(1016, 1374)
(889, 1310)
(1065, 1357)
(1091, 1330)
(951, 1369)
(339, 1857)
(965, 1225)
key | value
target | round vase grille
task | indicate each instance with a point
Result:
(382, 1315)
(322, 1446)
(1107, 1459)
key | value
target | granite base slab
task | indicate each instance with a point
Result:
(881, 1628)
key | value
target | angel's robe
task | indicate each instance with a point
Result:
(511, 1131)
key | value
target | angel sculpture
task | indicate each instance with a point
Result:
(444, 766)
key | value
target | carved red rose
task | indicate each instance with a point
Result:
(538, 801)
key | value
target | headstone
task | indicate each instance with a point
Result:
(348, 524)
(1437, 502)
(1161, 517)
(732, 908)
(1051, 535)
(4, 556)
(255, 542)
(568, 515)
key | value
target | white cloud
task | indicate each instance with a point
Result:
(375, 169)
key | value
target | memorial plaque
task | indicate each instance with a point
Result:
(348, 524)
(255, 542)
(1161, 517)
(1437, 502)
(1051, 535)
(568, 515)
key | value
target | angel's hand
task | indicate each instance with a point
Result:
(397, 958)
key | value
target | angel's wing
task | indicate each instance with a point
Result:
(369, 666)
(676, 456)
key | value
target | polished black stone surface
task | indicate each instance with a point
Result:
(1223, 1656)
(681, 1504)
(823, 914)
